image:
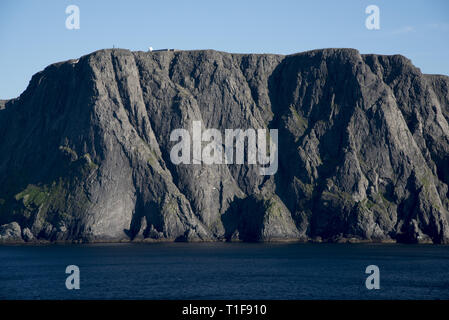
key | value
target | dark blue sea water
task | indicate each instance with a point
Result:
(224, 271)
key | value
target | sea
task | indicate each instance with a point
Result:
(224, 271)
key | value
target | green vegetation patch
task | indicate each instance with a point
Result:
(300, 121)
(33, 196)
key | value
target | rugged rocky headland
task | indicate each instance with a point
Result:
(363, 149)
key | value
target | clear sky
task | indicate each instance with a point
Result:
(33, 34)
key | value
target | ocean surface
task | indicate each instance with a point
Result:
(224, 271)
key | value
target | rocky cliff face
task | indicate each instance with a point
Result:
(363, 149)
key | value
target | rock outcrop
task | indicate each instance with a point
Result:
(363, 149)
(10, 232)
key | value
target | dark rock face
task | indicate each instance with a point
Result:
(363, 149)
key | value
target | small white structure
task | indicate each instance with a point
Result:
(150, 49)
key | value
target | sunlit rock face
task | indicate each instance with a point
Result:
(363, 149)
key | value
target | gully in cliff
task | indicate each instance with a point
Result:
(212, 153)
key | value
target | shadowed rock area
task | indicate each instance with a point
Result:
(363, 149)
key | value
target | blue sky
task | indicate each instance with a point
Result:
(33, 33)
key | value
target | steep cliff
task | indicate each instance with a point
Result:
(363, 149)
